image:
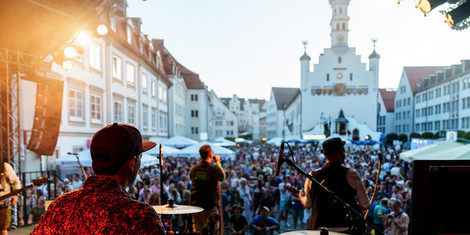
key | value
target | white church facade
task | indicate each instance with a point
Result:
(340, 95)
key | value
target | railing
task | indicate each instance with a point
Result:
(49, 191)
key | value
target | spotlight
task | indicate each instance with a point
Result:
(67, 65)
(83, 39)
(102, 29)
(458, 14)
(427, 6)
(70, 52)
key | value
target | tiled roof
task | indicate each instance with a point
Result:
(416, 74)
(388, 98)
(191, 79)
(284, 96)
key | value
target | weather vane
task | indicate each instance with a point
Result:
(374, 41)
(305, 42)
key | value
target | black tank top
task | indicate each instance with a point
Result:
(332, 213)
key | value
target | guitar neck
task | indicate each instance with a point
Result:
(15, 192)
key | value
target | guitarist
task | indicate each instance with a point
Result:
(344, 182)
(7, 177)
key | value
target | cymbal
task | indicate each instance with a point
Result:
(309, 232)
(176, 209)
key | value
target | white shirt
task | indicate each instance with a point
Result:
(11, 178)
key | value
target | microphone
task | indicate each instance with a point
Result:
(279, 159)
(160, 156)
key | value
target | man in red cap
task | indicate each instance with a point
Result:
(102, 205)
(344, 182)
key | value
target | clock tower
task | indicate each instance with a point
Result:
(339, 26)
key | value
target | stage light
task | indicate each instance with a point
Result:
(70, 52)
(67, 65)
(102, 29)
(458, 14)
(427, 6)
(83, 39)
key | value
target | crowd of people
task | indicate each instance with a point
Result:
(251, 192)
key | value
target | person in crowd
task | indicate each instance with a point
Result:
(267, 201)
(76, 182)
(396, 223)
(263, 224)
(102, 206)
(7, 177)
(344, 182)
(235, 200)
(379, 212)
(238, 223)
(37, 211)
(284, 200)
(245, 195)
(204, 183)
(297, 210)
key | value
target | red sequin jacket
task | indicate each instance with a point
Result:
(102, 206)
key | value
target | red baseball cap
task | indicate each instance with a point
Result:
(114, 145)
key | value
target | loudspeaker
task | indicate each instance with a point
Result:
(439, 197)
(47, 116)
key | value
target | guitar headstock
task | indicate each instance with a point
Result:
(40, 181)
(291, 189)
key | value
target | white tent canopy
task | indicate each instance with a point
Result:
(166, 151)
(85, 159)
(223, 142)
(446, 150)
(193, 151)
(178, 142)
(275, 141)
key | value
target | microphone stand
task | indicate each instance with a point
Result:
(161, 174)
(352, 213)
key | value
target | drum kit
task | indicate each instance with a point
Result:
(173, 209)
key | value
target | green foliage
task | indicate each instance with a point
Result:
(466, 136)
(436, 135)
(460, 133)
(403, 138)
(415, 135)
(428, 135)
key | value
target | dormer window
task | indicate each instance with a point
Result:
(141, 47)
(113, 23)
(129, 35)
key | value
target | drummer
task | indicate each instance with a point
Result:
(204, 177)
(102, 205)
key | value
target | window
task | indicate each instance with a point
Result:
(95, 56)
(163, 121)
(130, 74)
(194, 130)
(131, 113)
(154, 119)
(76, 105)
(327, 77)
(229, 123)
(117, 67)
(154, 89)
(194, 113)
(113, 23)
(95, 108)
(145, 116)
(118, 111)
(160, 93)
(350, 77)
(144, 82)
(193, 97)
(129, 35)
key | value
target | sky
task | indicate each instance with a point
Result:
(245, 47)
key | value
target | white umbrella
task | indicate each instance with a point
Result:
(166, 151)
(148, 160)
(178, 142)
(193, 151)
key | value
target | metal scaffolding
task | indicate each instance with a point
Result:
(13, 66)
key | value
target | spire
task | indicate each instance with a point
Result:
(339, 25)
(305, 56)
(374, 53)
